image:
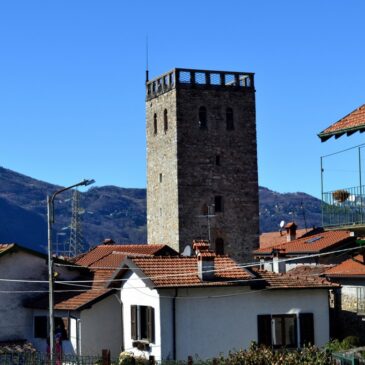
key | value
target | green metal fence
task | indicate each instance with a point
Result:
(352, 357)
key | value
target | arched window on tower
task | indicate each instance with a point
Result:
(219, 246)
(229, 119)
(155, 123)
(203, 117)
(165, 121)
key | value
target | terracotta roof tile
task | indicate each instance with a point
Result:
(103, 260)
(182, 272)
(269, 239)
(311, 244)
(355, 121)
(99, 252)
(352, 267)
(288, 281)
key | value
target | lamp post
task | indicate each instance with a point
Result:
(50, 220)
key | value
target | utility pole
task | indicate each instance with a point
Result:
(50, 221)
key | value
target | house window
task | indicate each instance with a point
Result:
(219, 246)
(203, 117)
(40, 326)
(217, 160)
(160, 178)
(229, 119)
(143, 323)
(155, 123)
(218, 204)
(280, 330)
(165, 121)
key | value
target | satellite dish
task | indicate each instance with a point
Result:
(187, 251)
(282, 224)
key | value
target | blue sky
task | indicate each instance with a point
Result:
(72, 80)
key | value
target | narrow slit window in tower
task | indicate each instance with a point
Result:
(229, 119)
(165, 121)
(219, 246)
(203, 117)
(218, 203)
(155, 123)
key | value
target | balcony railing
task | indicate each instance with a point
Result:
(344, 207)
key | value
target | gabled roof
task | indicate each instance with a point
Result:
(353, 267)
(103, 261)
(98, 256)
(269, 239)
(172, 272)
(180, 271)
(351, 123)
(309, 245)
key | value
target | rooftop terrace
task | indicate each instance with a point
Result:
(183, 77)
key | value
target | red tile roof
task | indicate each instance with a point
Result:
(183, 271)
(103, 260)
(288, 281)
(349, 268)
(167, 272)
(100, 252)
(355, 121)
(269, 239)
(312, 244)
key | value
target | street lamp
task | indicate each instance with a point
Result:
(50, 220)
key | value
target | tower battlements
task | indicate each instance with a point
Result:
(183, 77)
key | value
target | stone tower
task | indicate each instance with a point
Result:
(202, 160)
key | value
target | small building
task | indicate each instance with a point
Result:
(321, 248)
(349, 301)
(207, 305)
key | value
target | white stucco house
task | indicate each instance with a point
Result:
(207, 305)
(24, 277)
(88, 314)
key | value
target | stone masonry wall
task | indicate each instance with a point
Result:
(234, 179)
(162, 198)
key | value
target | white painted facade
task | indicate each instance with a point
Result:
(101, 327)
(215, 320)
(16, 320)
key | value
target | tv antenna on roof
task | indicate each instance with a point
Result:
(208, 217)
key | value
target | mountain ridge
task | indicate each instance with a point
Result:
(114, 212)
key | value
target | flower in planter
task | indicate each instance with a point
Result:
(340, 195)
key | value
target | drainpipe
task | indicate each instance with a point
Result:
(174, 325)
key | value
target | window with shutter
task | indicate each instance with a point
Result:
(306, 324)
(151, 324)
(264, 330)
(134, 322)
(142, 323)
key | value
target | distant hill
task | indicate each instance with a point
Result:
(113, 212)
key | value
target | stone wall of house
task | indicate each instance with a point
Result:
(200, 164)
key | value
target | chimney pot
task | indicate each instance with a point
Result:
(291, 231)
(206, 265)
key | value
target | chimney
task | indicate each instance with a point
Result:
(205, 259)
(108, 241)
(291, 231)
(278, 266)
(206, 265)
(200, 246)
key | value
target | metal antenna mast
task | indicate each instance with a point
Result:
(208, 217)
(76, 238)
